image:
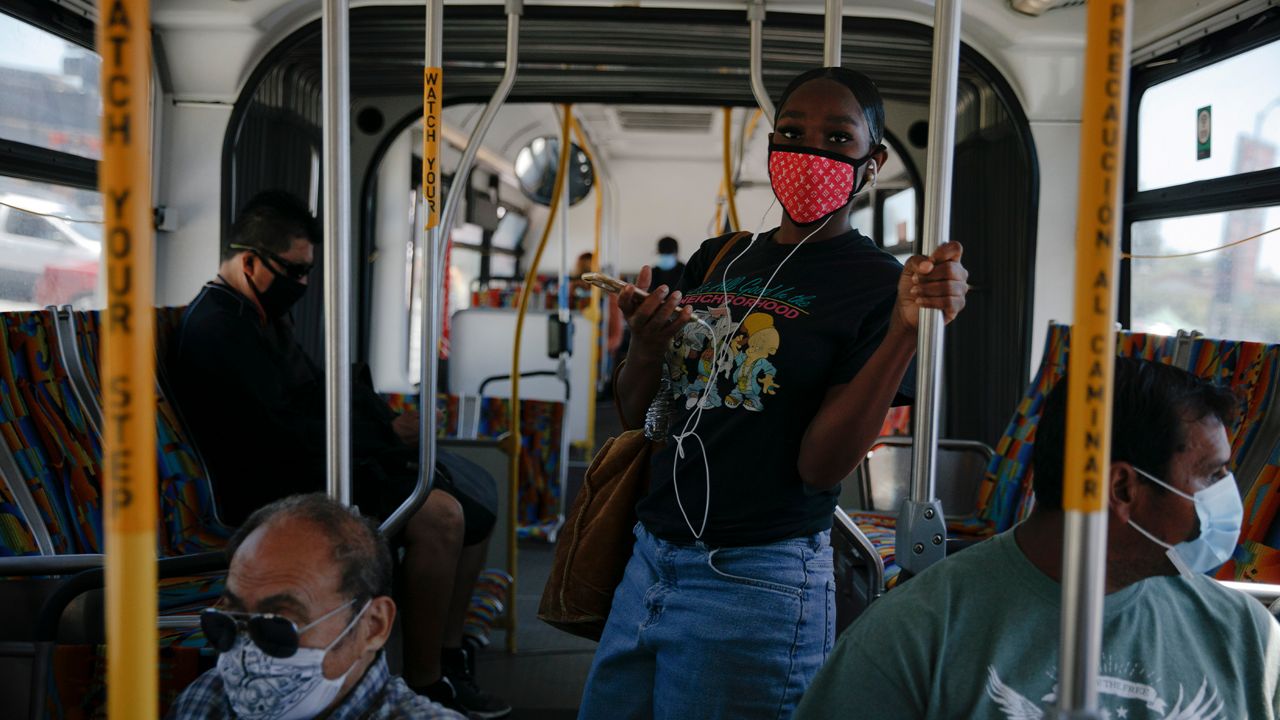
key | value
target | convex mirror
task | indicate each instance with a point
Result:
(536, 166)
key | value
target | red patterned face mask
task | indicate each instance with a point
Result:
(812, 184)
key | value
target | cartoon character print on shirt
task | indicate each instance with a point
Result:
(741, 377)
(753, 375)
(1119, 698)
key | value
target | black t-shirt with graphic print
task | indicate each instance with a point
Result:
(817, 324)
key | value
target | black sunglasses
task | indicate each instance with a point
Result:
(294, 270)
(276, 635)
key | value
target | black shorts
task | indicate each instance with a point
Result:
(379, 493)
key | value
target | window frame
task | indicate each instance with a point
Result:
(29, 162)
(1259, 188)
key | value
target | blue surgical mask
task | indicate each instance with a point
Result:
(667, 261)
(1221, 515)
(261, 687)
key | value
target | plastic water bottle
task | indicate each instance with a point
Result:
(657, 419)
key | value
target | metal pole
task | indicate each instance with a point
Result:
(128, 351)
(461, 177)
(335, 62)
(755, 16)
(832, 33)
(921, 530)
(1086, 470)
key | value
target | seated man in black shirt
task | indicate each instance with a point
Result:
(255, 403)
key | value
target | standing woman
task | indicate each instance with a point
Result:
(768, 381)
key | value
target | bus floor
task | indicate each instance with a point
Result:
(545, 678)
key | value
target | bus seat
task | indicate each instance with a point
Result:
(188, 516)
(882, 481)
(541, 425)
(16, 535)
(52, 443)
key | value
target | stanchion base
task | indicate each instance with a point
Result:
(921, 537)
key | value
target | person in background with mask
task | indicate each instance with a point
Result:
(255, 405)
(668, 270)
(953, 644)
(302, 623)
(727, 605)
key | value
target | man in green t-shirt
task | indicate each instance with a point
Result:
(977, 636)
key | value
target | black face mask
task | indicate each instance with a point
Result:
(282, 294)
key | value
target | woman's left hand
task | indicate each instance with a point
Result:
(937, 282)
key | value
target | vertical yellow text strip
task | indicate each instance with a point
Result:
(128, 352)
(1088, 451)
(431, 95)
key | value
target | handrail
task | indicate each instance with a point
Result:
(335, 71)
(528, 373)
(432, 106)
(129, 487)
(439, 226)
(833, 30)
(728, 170)
(921, 532)
(755, 17)
(599, 332)
(562, 175)
(1091, 365)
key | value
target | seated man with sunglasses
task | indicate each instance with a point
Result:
(255, 403)
(302, 623)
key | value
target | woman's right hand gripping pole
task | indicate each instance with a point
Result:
(654, 319)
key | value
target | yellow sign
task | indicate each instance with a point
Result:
(431, 97)
(1092, 359)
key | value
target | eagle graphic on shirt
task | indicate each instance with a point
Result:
(1119, 694)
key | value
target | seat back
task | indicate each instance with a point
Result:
(188, 516)
(17, 537)
(541, 430)
(54, 447)
(886, 475)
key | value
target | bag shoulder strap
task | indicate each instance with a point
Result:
(724, 250)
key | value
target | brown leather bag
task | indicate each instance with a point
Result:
(596, 541)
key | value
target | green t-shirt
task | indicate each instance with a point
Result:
(977, 637)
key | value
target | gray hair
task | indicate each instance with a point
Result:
(359, 548)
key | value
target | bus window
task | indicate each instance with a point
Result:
(898, 221)
(1220, 120)
(1225, 294)
(51, 91)
(1201, 198)
(50, 245)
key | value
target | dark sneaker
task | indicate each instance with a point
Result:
(459, 670)
(442, 692)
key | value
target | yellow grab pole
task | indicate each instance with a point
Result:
(728, 169)
(128, 351)
(601, 314)
(1091, 363)
(513, 515)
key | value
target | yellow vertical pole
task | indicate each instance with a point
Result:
(522, 309)
(128, 351)
(596, 312)
(1091, 364)
(728, 170)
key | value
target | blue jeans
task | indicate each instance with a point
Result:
(698, 632)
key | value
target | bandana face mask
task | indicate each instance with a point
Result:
(811, 184)
(262, 687)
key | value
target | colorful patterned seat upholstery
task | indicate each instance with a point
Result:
(16, 538)
(56, 449)
(541, 429)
